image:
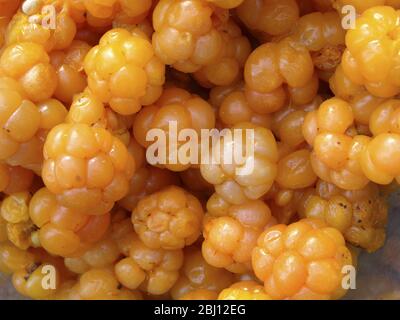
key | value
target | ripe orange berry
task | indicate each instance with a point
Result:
(63, 231)
(323, 35)
(288, 122)
(200, 294)
(124, 72)
(169, 219)
(238, 104)
(303, 260)
(380, 158)
(23, 123)
(274, 64)
(15, 179)
(228, 67)
(362, 5)
(213, 46)
(8, 8)
(103, 253)
(13, 259)
(69, 67)
(359, 215)
(154, 271)
(87, 168)
(29, 283)
(29, 64)
(98, 284)
(295, 170)
(176, 107)
(343, 87)
(336, 154)
(244, 290)
(250, 176)
(35, 23)
(198, 278)
(370, 57)
(231, 231)
(271, 17)
(88, 109)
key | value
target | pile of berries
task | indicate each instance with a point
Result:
(86, 85)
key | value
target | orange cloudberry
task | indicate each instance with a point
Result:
(36, 23)
(274, 64)
(251, 176)
(86, 167)
(69, 69)
(124, 72)
(336, 153)
(359, 215)
(231, 232)
(154, 271)
(29, 64)
(303, 260)
(176, 107)
(169, 219)
(213, 46)
(270, 17)
(244, 290)
(370, 58)
(197, 274)
(64, 231)
(322, 33)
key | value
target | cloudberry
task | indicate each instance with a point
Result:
(29, 64)
(69, 68)
(176, 107)
(102, 284)
(274, 64)
(168, 219)
(21, 121)
(227, 69)
(15, 179)
(13, 259)
(251, 176)
(244, 290)
(323, 35)
(8, 8)
(271, 17)
(200, 294)
(303, 260)
(198, 275)
(213, 46)
(35, 23)
(336, 154)
(359, 215)
(231, 231)
(295, 170)
(145, 181)
(87, 168)
(370, 58)
(101, 254)
(287, 123)
(124, 72)
(88, 109)
(245, 105)
(64, 231)
(15, 212)
(227, 4)
(152, 270)
(29, 283)
(362, 5)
